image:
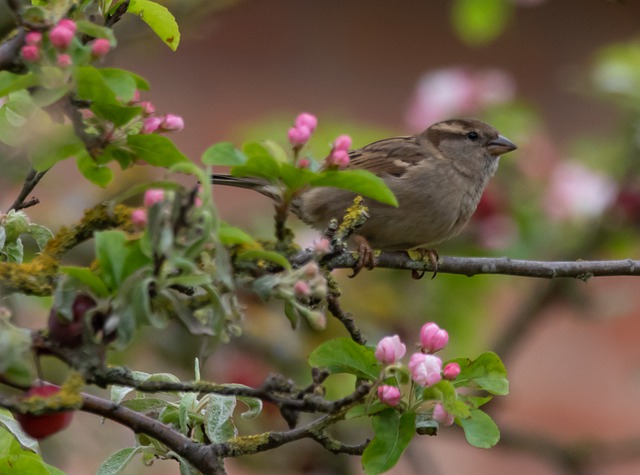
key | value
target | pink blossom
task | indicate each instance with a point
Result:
(136, 96)
(456, 91)
(150, 124)
(390, 349)
(451, 371)
(577, 192)
(298, 136)
(441, 416)
(30, 53)
(33, 38)
(389, 395)
(68, 24)
(100, 47)
(425, 369)
(61, 36)
(152, 196)
(147, 107)
(322, 246)
(301, 289)
(64, 60)
(338, 158)
(307, 120)
(139, 217)
(311, 270)
(433, 338)
(304, 163)
(172, 122)
(342, 142)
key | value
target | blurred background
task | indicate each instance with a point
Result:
(561, 79)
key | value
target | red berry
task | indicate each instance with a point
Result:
(45, 425)
(69, 333)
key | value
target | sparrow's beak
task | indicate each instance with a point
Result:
(501, 145)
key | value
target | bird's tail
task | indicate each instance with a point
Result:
(254, 184)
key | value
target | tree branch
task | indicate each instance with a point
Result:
(471, 266)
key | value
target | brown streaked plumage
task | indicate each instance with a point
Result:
(438, 177)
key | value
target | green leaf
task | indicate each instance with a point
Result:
(361, 182)
(487, 371)
(480, 430)
(10, 82)
(264, 167)
(218, 424)
(159, 19)
(343, 355)
(232, 236)
(116, 113)
(261, 254)
(445, 391)
(118, 257)
(88, 278)
(100, 175)
(58, 143)
(480, 21)
(223, 154)
(145, 404)
(40, 234)
(187, 406)
(8, 422)
(118, 461)
(156, 150)
(96, 31)
(92, 86)
(123, 83)
(393, 432)
(296, 178)
(14, 460)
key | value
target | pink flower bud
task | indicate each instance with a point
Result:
(197, 202)
(173, 122)
(152, 196)
(322, 246)
(342, 142)
(68, 24)
(298, 136)
(389, 395)
(301, 289)
(308, 120)
(304, 163)
(338, 158)
(441, 416)
(136, 96)
(61, 36)
(33, 38)
(147, 107)
(100, 47)
(451, 371)
(425, 369)
(433, 338)
(150, 125)
(30, 53)
(390, 349)
(64, 60)
(139, 218)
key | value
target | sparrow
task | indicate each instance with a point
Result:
(437, 176)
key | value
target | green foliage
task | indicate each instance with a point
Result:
(17, 460)
(159, 19)
(480, 21)
(343, 355)
(13, 227)
(393, 432)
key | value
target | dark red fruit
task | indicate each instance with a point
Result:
(45, 425)
(69, 333)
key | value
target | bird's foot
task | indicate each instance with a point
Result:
(366, 256)
(433, 257)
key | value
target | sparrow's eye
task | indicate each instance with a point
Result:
(472, 136)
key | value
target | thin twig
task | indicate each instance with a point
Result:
(30, 182)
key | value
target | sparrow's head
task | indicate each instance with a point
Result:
(468, 139)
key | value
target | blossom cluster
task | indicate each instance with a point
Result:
(425, 368)
(304, 126)
(152, 196)
(60, 46)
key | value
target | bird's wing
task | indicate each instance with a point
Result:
(392, 156)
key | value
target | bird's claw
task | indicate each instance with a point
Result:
(366, 256)
(433, 257)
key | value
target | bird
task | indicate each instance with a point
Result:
(437, 176)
